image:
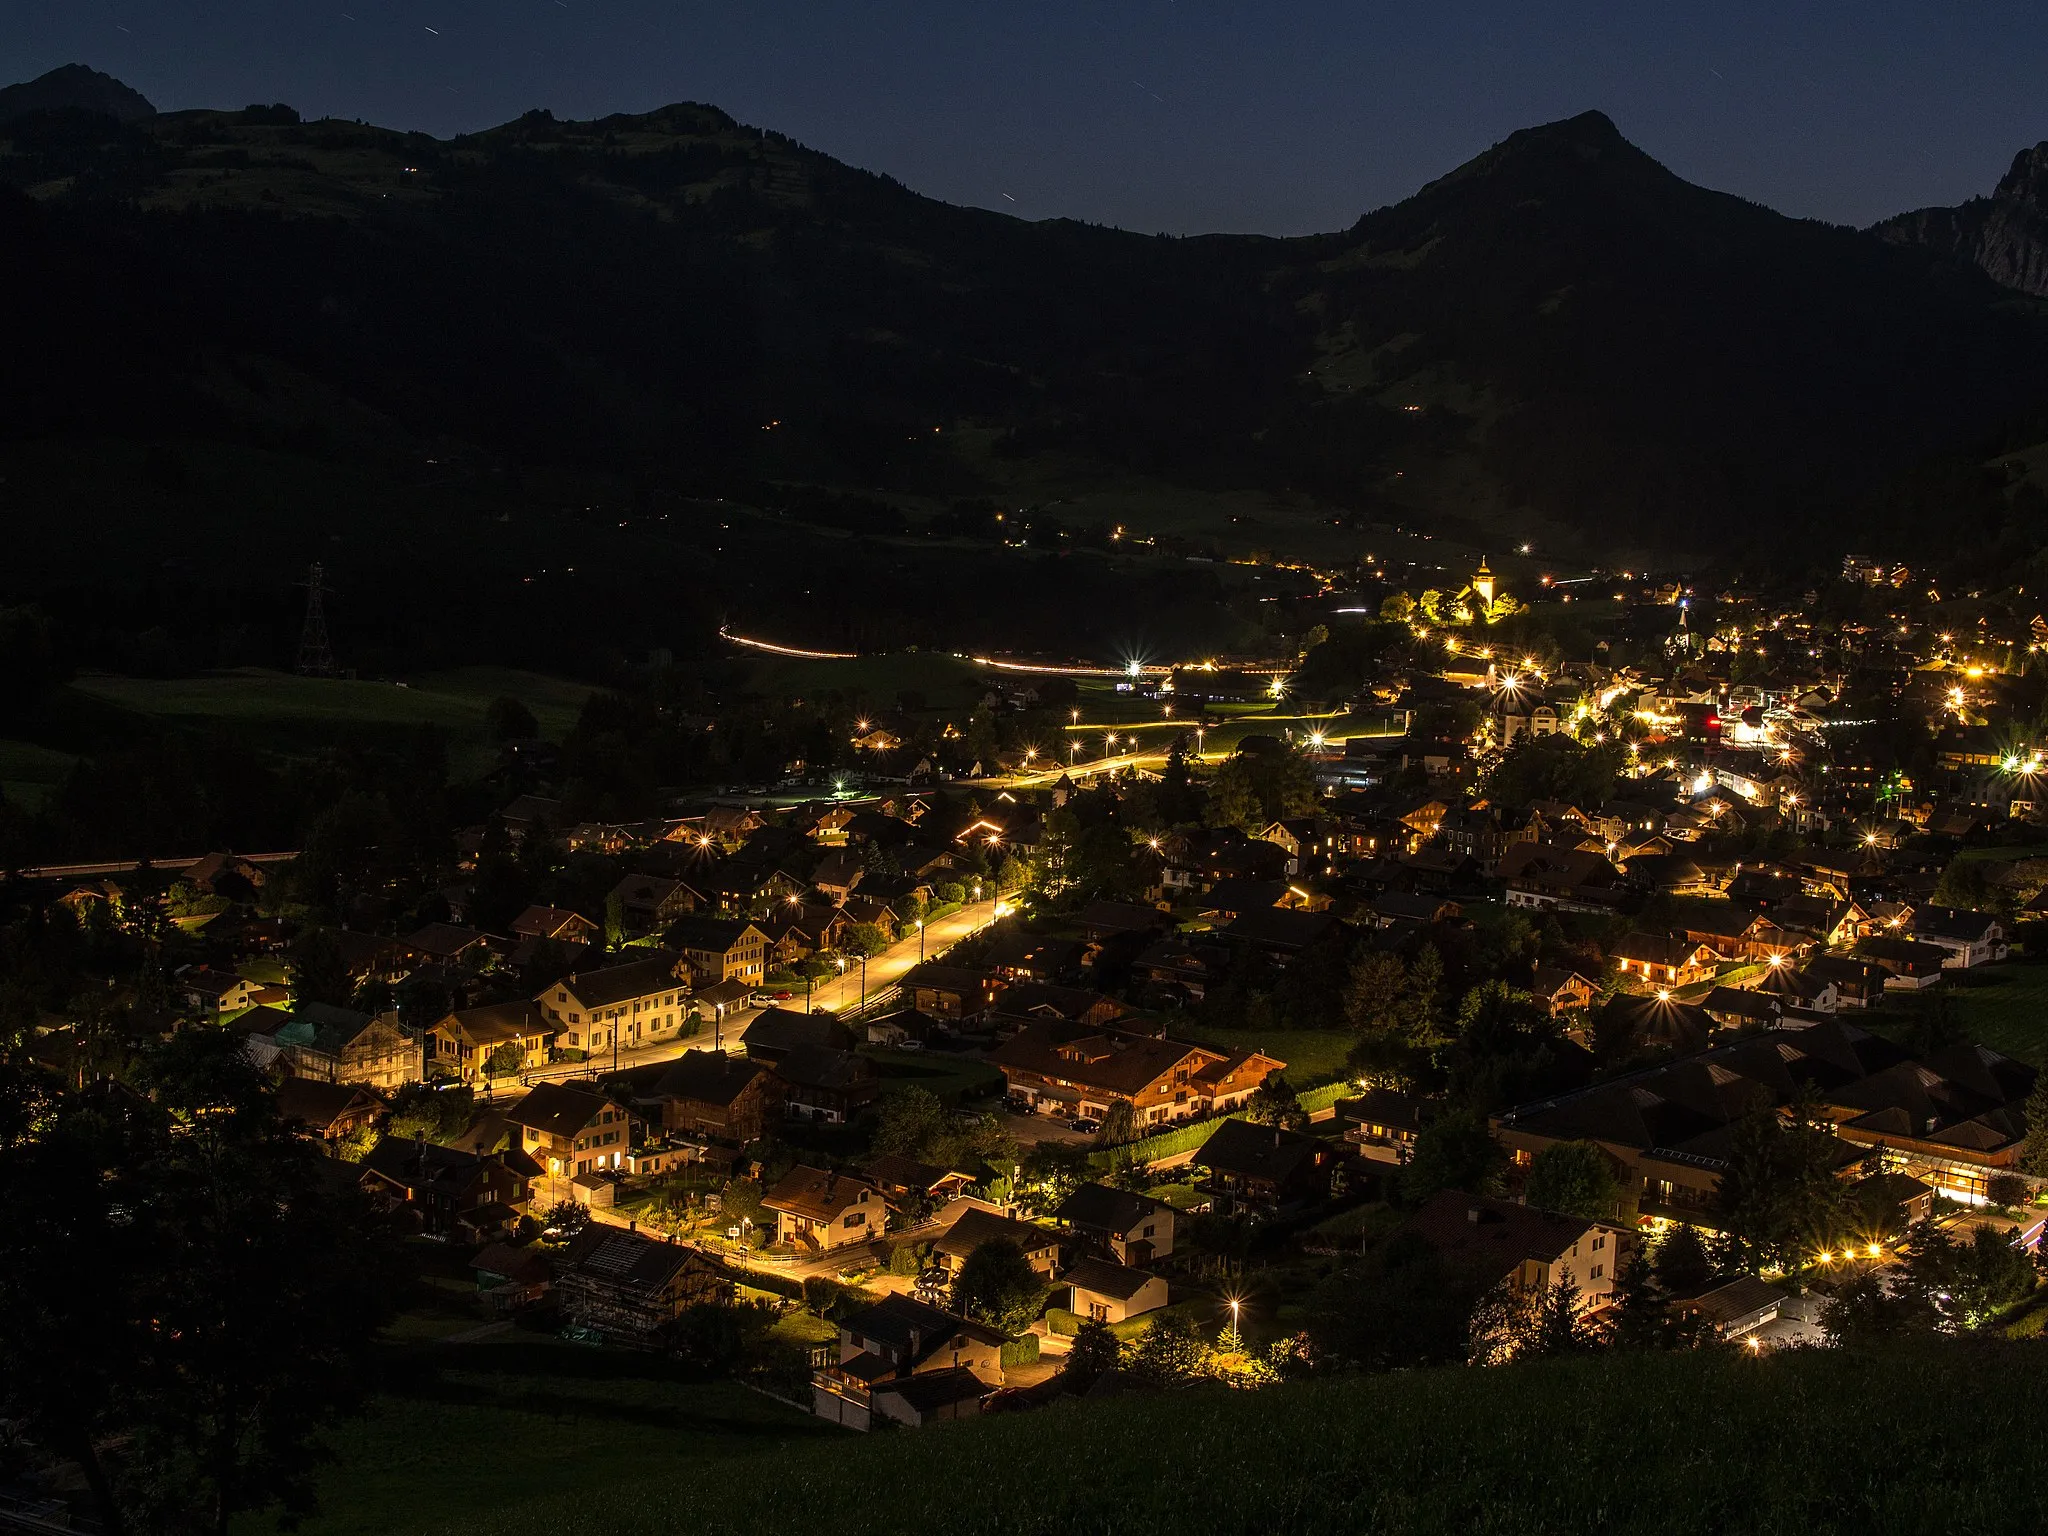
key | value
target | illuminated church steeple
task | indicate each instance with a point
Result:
(1482, 583)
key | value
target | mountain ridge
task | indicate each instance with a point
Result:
(1559, 336)
(2004, 235)
(75, 87)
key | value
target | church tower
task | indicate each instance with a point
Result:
(1482, 583)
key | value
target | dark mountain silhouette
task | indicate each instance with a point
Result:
(1560, 336)
(73, 87)
(2005, 234)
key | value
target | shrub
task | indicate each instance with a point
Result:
(1022, 1350)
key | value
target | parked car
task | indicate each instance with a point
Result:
(1087, 1127)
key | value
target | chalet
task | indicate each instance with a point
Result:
(721, 949)
(908, 1182)
(1280, 934)
(570, 1131)
(1735, 1009)
(649, 903)
(1177, 967)
(1382, 1124)
(1231, 899)
(1498, 1242)
(511, 1279)
(1266, 1170)
(527, 813)
(341, 1045)
(449, 944)
(708, 1093)
(1075, 1070)
(463, 1043)
(327, 1112)
(1663, 960)
(820, 1210)
(903, 1360)
(1857, 983)
(1967, 938)
(1105, 920)
(973, 1223)
(1039, 1001)
(211, 993)
(1953, 1118)
(1736, 1309)
(554, 924)
(1112, 1293)
(836, 876)
(446, 1190)
(774, 1034)
(1563, 991)
(951, 991)
(1020, 956)
(826, 1085)
(1133, 1229)
(1908, 964)
(630, 1288)
(1390, 907)
(635, 1003)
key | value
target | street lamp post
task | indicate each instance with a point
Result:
(920, 941)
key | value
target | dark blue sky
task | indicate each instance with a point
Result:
(1283, 115)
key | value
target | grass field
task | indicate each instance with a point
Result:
(2002, 1006)
(1882, 1444)
(947, 682)
(29, 772)
(1313, 1056)
(493, 1426)
(950, 1077)
(289, 713)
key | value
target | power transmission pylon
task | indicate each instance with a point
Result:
(316, 655)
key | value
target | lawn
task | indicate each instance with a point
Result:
(289, 713)
(28, 772)
(1313, 1056)
(1881, 1444)
(2002, 1006)
(951, 1077)
(949, 685)
(492, 1426)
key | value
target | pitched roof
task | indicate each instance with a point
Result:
(817, 1193)
(1280, 928)
(497, 1023)
(1494, 1236)
(1107, 1060)
(317, 1105)
(786, 1029)
(1103, 1209)
(914, 1329)
(977, 1226)
(1107, 1279)
(1258, 1151)
(708, 1077)
(628, 1259)
(930, 1391)
(622, 983)
(556, 1109)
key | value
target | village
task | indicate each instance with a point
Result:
(1616, 1002)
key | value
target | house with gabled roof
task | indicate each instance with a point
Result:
(974, 1223)
(818, 1209)
(569, 1130)
(1497, 1242)
(1060, 1068)
(554, 923)
(630, 1287)
(344, 1045)
(634, 1002)
(1105, 1292)
(1967, 938)
(906, 1360)
(1265, 1169)
(711, 1093)
(1663, 960)
(462, 1043)
(1130, 1228)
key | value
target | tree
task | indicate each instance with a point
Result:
(997, 1285)
(1169, 1354)
(866, 939)
(505, 1060)
(1398, 1306)
(614, 921)
(1574, 1178)
(1680, 1262)
(1780, 1197)
(1373, 994)
(1274, 1103)
(1094, 1353)
(177, 1271)
(1119, 1125)
(2034, 1153)
(319, 973)
(510, 720)
(914, 1122)
(1454, 1151)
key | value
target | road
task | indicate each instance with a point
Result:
(889, 967)
(842, 994)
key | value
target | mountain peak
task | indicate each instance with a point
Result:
(77, 87)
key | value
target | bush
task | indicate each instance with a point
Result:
(1020, 1351)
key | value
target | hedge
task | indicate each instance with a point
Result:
(1326, 1097)
(1182, 1138)
(1020, 1351)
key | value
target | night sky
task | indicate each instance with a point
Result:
(1283, 116)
